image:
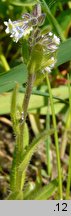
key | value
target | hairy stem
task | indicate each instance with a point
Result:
(28, 92)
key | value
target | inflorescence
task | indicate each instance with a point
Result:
(30, 25)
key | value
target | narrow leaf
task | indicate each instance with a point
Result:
(26, 136)
(15, 196)
(14, 107)
(45, 192)
(32, 148)
(17, 74)
(64, 52)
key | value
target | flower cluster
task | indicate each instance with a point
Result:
(49, 43)
(51, 66)
(17, 29)
(20, 28)
(29, 25)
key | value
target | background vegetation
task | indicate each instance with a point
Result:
(42, 171)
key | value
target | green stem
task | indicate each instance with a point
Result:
(48, 142)
(16, 177)
(69, 177)
(64, 138)
(4, 62)
(56, 138)
(27, 94)
(26, 103)
(53, 21)
(69, 169)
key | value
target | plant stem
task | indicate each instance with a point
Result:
(48, 142)
(69, 177)
(4, 62)
(69, 169)
(16, 177)
(53, 21)
(64, 138)
(56, 137)
(28, 92)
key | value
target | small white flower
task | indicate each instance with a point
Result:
(56, 40)
(52, 47)
(53, 62)
(48, 69)
(50, 42)
(10, 27)
(17, 29)
(50, 33)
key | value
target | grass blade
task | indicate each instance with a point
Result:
(56, 138)
(69, 169)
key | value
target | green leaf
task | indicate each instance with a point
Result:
(64, 52)
(17, 74)
(26, 136)
(65, 19)
(32, 148)
(40, 97)
(45, 192)
(14, 107)
(15, 196)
